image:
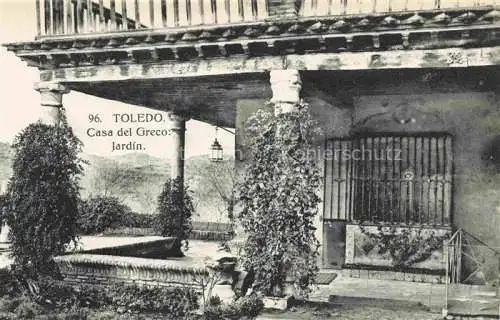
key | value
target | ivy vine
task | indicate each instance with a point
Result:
(406, 246)
(278, 197)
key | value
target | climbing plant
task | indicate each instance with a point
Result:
(43, 196)
(175, 208)
(406, 246)
(278, 197)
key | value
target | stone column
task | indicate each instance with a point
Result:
(286, 86)
(51, 100)
(178, 127)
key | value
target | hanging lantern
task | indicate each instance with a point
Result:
(216, 151)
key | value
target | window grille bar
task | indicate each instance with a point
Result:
(332, 179)
(339, 168)
(429, 165)
(346, 181)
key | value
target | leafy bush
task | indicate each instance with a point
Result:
(9, 286)
(101, 213)
(248, 307)
(129, 298)
(27, 310)
(278, 197)
(176, 302)
(175, 208)
(10, 304)
(43, 196)
(58, 296)
(4, 207)
(138, 220)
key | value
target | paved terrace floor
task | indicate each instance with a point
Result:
(198, 249)
(342, 289)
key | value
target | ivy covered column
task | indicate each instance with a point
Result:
(286, 86)
(51, 95)
(178, 127)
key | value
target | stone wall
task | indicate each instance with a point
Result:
(104, 269)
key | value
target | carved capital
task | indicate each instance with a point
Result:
(51, 93)
(286, 86)
(178, 120)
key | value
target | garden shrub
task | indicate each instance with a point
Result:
(4, 207)
(9, 286)
(10, 304)
(55, 296)
(101, 213)
(27, 310)
(138, 220)
(279, 199)
(248, 307)
(175, 208)
(177, 302)
(43, 196)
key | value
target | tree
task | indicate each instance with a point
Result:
(215, 184)
(278, 198)
(134, 181)
(101, 213)
(175, 208)
(43, 196)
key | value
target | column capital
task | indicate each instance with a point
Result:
(178, 120)
(51, 93)
(286, 86)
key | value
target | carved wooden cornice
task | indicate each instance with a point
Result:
(477, 27)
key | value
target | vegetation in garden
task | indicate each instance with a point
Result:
(248, 307)
(175, 209)
(52, 299)
(43, 195)
(279, 200)
(4, 207)
(101, 213)
(406, 246)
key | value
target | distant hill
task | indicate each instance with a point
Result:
(6, 155)
(137, 179)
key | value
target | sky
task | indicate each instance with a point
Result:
(20, 103)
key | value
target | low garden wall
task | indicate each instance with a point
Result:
(210, 231)
(397, 253)
(103, 269)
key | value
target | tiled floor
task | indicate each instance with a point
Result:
(428, 294)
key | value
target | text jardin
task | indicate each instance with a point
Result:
(129, 146)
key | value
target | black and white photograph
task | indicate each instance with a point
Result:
(250, 159)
